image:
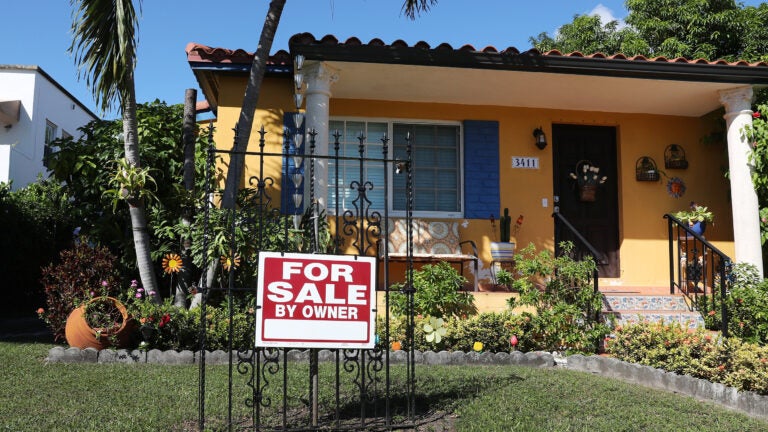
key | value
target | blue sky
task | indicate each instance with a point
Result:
(37, 32)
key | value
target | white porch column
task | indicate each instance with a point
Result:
(319, 77)
(746, 211)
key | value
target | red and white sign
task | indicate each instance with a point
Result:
(316, 301)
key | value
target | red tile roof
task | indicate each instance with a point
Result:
(203, 53)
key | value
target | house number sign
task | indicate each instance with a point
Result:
(525, 162)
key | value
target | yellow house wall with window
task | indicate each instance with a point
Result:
(642, 230)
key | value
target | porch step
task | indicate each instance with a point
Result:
(644, 302)
(691, 320)
(630, 309)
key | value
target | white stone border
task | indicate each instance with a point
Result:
(749, 403)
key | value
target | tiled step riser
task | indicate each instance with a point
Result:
(631, 309)
(690, 320)
(619, 303)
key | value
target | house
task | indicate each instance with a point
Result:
(34, 110)
(512, 127)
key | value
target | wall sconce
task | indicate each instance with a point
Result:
(541, 138)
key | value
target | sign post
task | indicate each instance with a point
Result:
(316, 301)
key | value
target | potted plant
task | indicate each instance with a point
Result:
(504, 250)
(99, 323)
(696, 217)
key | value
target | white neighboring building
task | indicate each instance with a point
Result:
(34, 109)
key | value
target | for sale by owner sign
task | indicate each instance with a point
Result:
(316, 301)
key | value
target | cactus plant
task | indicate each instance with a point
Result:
(505, 226)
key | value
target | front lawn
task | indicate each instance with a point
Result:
(98, 397)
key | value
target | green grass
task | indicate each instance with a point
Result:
(88, 397)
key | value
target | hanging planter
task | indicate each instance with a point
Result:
(674, 157)
(588, 178)
(587, 193)
(100, 323)
(646, 170)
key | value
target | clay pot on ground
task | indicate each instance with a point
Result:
(116, 330)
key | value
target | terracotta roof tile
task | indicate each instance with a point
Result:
(202, 53)
(422, 45)
(202, 106)
(353, 41)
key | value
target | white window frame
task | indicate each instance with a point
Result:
(50, 126)
(390, 190)
(48, 138)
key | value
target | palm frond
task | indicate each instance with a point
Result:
(104, 43)
(412, 8)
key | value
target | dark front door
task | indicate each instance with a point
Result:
(597, 220)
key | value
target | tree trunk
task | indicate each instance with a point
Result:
(245, 121)
(141, 240)
(184, 281)
(251, 98)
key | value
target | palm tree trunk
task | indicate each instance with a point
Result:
(251, 98)
(141, 241)
(184, 281)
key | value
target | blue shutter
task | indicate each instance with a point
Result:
(481, 169)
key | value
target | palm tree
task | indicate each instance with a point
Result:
(104, 46)
(411, 8)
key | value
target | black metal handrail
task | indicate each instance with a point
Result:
(698, 270)
(583, 244)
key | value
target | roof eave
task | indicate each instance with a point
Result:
(533, 61)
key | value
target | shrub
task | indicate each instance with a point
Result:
(746, 302)
(84, 271)
(437, 293)
(667, 346)
(561, 291)
(36, 226)
(729, 361)
(165, 326)
(492, 329)
(748, 305)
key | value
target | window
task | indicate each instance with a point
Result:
(436, 169)
(349, 170)
(50, 135)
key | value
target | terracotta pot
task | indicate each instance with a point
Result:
(80, 335)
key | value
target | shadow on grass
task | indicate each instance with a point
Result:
(437, 395)
(24, 330)
(434, 401)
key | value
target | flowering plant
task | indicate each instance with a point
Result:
(103, 315)
(587, 174)
(434, 330)
(696, 213)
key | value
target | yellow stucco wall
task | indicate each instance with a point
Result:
(642, 230)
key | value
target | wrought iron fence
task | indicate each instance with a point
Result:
(698, 270)
(277, 388)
